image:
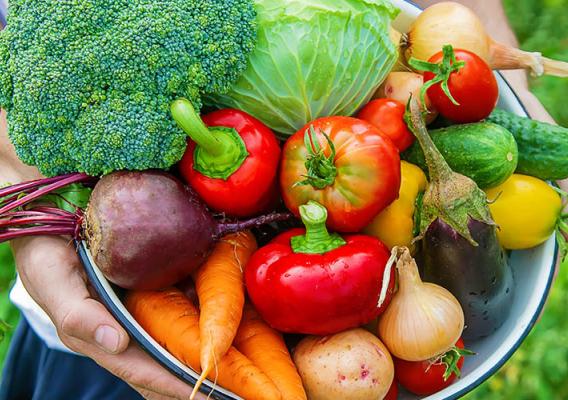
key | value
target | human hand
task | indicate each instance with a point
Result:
(52, 274)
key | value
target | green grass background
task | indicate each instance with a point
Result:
(539, 369)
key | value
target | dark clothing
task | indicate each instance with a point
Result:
(35, 372)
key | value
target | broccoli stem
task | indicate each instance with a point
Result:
(220, 151)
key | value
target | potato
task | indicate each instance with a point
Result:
(351, 365)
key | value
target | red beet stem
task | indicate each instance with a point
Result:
(60, 182)
(224, 228)
(37, 220)
(10, 234)
(25, 186)
(51, 210)
(15, 197)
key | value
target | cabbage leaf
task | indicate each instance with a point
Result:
(313, 58)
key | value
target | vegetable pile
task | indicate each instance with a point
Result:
(362, 252)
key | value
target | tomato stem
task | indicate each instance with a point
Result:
(450, 360)
(317, 239)
(321, 170)
(220, 151)
(442, 72)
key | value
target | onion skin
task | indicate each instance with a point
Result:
(423, 320)
(479, 276)
(442, 24)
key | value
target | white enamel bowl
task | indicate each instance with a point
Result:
(533, 269)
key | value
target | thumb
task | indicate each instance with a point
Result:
(52, 274)
(88, 321)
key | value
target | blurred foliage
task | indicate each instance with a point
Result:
(542, 25)
(539, 369)
(8, 313)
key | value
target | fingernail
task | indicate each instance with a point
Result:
(107, 337)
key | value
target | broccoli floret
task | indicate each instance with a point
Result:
(88, 83)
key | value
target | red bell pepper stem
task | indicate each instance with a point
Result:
(220, 151)
(317, 240)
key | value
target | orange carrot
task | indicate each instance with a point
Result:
(265, 347)
(173, 321)
(220, 289)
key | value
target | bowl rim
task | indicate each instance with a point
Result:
(160, 355)
(150, 346)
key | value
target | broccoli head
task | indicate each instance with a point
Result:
(88, 83)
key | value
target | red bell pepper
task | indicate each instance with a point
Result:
(231, 161)
(312, 282)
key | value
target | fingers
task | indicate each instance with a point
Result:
(98, 328)
(148, 395)
(52, 274)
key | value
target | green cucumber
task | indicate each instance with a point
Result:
(543, 148)
(484, 152)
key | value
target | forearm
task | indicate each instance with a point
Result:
(492, 14)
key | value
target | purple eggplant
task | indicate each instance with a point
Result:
(478, 276)
(459, 246)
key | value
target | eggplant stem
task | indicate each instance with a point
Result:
(437, 166)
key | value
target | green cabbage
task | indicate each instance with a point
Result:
(313, 58)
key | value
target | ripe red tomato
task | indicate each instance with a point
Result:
(388, 116)
(392, 394)
(473, 86)
(426, 377)
(345, 164)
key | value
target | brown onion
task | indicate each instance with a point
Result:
(452, 23)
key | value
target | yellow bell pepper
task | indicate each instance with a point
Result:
(526, 211)
(394, 226)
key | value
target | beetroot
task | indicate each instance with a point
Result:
(145, 230)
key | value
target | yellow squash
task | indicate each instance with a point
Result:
(394, 226)
(526, 210)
